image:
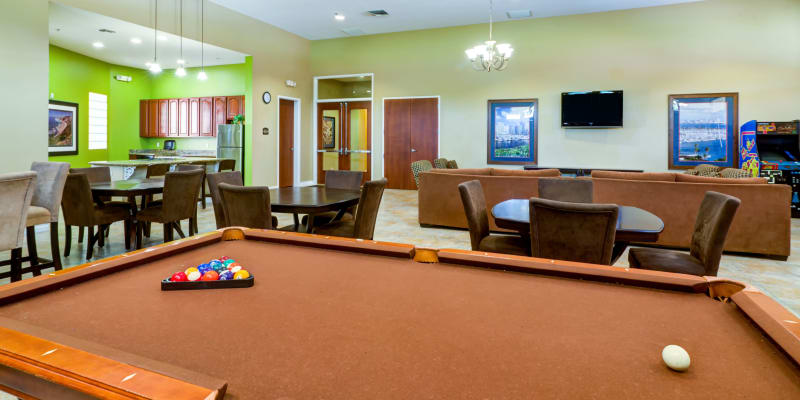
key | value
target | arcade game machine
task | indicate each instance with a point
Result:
(772, 150)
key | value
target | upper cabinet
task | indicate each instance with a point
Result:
(187, 117)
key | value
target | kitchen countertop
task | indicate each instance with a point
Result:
(155, 161)
(174, 153)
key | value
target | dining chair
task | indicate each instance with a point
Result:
(179, 202)
(474, 202)
(16, 193)
(226, 165)
(97, 175)
(711, 227)
(246, 206)
(566, 189)
(337, 179)
(568, 231)
(440, 163)
(45, 208)
(202, 198)
(418, 167)
(232, 178)
(363, 226)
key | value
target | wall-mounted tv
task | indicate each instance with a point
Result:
(600, 109)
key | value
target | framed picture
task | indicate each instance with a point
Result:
(513, 131)
(703, 129)
(328, 132)
(62, 128)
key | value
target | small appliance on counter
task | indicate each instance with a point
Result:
(230, 143)
(169, 145)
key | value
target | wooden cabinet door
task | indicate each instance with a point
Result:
(194, 117)
(163, 117)
(183, 117)
(207, 117)
(220, 110)
(235, 106)
(152, 118)
(173, 117)
(142, 118)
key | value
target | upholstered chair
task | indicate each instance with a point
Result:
(708, 240)
(363, 226)
(202, 198)
(452, 164)
(573, 231)
(16, 193)
(440, 163)
(246, 206)
(566, 189)
(181, 189)
(418, 167)
(226, 165)
(335, 179)
(474, 202)
(214, 180)
(157, 170)
(45, 207)
(80, 210)
(96, 175)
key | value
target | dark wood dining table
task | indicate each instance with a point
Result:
(633, 224)
(129, 188)
(312, 200)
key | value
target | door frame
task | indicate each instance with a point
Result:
(383, 125)
(371, 99)
(296, 156)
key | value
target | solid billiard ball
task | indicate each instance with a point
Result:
(676, 358)
(225, 275)
(210, 276)
(228, 261)
(223, 258)
(234, 267)
(203, 268)
(192, 274)
(219, 267)
(242, 274)
(178, 277)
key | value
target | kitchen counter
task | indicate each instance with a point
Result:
(137, 169)
(173, 153)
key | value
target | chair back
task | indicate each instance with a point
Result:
(566, 189)
(367, 211)
(440, 163)
(418, 167)
(94, 174)
(189, 167)
(50, 180)
(77, 202)
(226, 165)
(573, 231)
(181, 189)
(452, 164)
(157, 170)
(350, 180)
(214, 180)
(246, 206)
(711, 228)
(16, 193)
(474, 202)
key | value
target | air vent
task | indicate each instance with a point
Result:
(378, 13)
(354, 31)
(517, 14)
(104, 30)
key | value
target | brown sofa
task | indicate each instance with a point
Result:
(762, 224)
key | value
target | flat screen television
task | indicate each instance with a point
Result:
(600, 109)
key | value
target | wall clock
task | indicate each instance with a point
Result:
(266, 97)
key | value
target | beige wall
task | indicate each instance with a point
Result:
(23, 83)
(277, 56)
(745, 46)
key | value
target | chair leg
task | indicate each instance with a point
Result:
(54, 246)
(80, 234)
(108, 230)
(91, 238)
(16, 264)
(67, 239)
(191, 226)
(33, 254)
(127, 227)
(177, 226)
(203, 193)
(139, 228)
(168, 232)
(101, 237)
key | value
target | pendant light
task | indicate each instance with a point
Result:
(180, 72)
(202, 74)
(154, 66)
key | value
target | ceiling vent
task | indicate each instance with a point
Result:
(517, 14)
(104, 30)
(378, 13)
(354, 31)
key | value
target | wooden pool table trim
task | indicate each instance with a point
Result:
(89, 372)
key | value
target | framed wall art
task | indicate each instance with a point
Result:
(513, 131)
(328, 132)
(62, 128)
(703, 129)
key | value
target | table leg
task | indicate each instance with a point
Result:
(310, 226)
(137, 239)
(616, 252)
(296, 222)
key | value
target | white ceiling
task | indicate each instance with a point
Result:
(75, 29)
(313, 19)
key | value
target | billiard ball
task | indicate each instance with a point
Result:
(178, 277)
(229, 261)
(225, 275)
(223, 258)
(219, 267)
(242, 274)
(203, 268)
(210, 276)
(192, 274)
(234, 267)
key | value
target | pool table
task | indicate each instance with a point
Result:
(344, 318)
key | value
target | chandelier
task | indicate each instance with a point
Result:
(490, 55)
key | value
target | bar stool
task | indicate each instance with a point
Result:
(44, 209)
(16, 193)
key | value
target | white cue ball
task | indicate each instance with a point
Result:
(676, 358)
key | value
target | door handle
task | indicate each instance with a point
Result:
(291, 148)
(413, 150)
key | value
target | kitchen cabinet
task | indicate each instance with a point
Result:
(207, 116)
(194, 117)
(187, 117)
(173, 117)
(220, 110)
(163, 118)
(183, 117)
(235, 106)
(143, 118)
(152, 118)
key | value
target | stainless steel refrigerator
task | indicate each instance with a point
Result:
(230, 143)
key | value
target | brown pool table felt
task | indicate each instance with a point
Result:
(322, 323)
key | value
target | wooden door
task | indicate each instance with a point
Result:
(235, 106)
(411, 133)
(220, 111)
(173, 117)
(163, 117)
(286, 145)
(194, 117)
(329, 133)
(183, 117)
(357, 138)
(207, 117)
(143, 118)
(152, 118)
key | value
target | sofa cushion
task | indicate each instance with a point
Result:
(463, 171)
(552, 172)
(735, 173)
(665, 260)
(723, 181)
(635, 176)
(707, 170)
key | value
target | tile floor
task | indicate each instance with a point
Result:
(397, 222)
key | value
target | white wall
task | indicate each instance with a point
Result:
(24, 61)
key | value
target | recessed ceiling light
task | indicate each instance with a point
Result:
(98, 45)
(338, 17)
(162, 38)
(136, 40)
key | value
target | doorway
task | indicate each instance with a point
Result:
(288, 141)
(410, 133)
(344, 137)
